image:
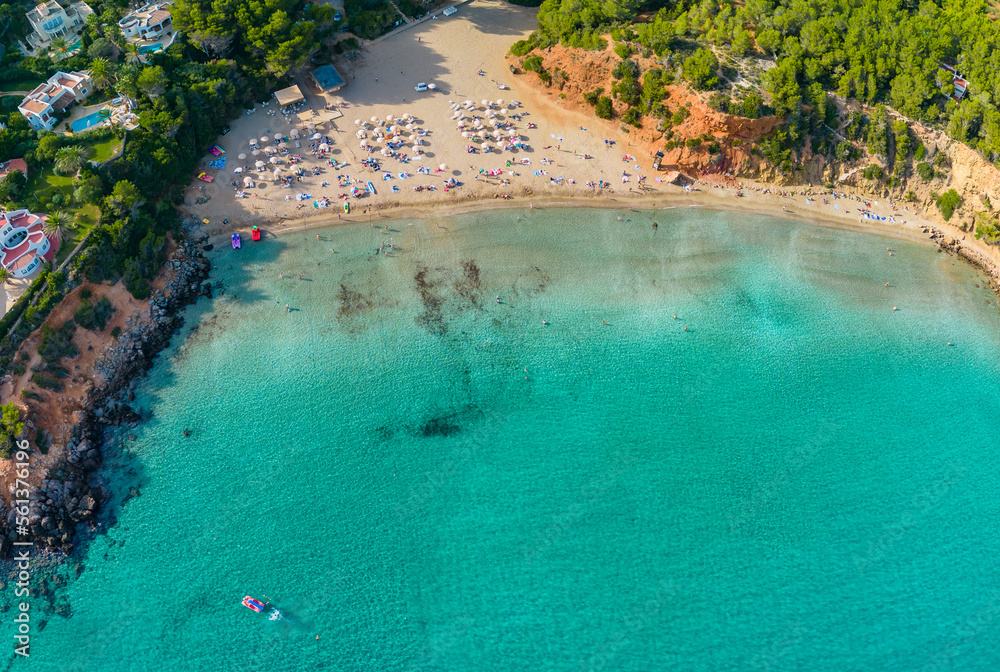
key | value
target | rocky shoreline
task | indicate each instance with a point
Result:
(952, 245)
(70, 494)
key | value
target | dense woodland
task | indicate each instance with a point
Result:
(874, 51)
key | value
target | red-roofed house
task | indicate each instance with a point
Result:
(24, 247)
(13, 164)
(960, 83)
(42, 104)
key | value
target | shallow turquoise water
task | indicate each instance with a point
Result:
(429, 480)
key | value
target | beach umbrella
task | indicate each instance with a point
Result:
(259, 164)
(374, 120)
(294, 133)
(277, 136)
(466, 134)
(316, 136)
(310, 126)
(499, 101)
(256, 152)
(389, 117)
(385, 151)
(409, 127)
(482, 134)
(247, 181)
(357, 122)
(486, 102)
(263, 138)
(323, 147)
(283, 145)
(275, 160)
(485, 145)
(241, 156)
(442, 167)
(277, 171)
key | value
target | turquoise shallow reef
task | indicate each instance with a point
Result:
(789, 475)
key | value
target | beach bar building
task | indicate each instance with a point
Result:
(327, 79)
(287, 97)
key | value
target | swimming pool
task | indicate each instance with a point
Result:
(84, 123)
(150, 48)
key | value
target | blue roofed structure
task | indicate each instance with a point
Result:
(327, 78)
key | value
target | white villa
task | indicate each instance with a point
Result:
(24, 247)
(148, 22)
(63, 89)
(50, 20)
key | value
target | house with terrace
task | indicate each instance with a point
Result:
(41, 105)
(24, 247)
(50, 21)
(149, 22)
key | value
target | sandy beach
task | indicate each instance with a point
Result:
(566, 158)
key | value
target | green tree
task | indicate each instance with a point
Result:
(101, 73)
(152, 81)
(70, 159)
(5, 275)
(948, 202)
(12, 187)
(56, 225)
(100, 48)
(124, 199)
(604, 108)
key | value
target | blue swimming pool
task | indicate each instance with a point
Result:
(83, 123)
(150, 48)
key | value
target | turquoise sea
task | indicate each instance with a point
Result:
(789, 475)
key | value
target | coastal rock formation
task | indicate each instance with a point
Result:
(70, 494)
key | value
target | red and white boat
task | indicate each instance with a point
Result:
(254, 605)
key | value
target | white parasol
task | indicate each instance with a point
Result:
(486, 103)
(442, 167)
(385, 151)
(465, 134)
(482, 134)
(256, 152)
(247, 181)
(389, 117)
(357, 122)
(259, 164)
(277, 171)
(323, 147)
(283, 145)
(294, 133)
(277, 137)
(316, 136)
(374, 120)
(275, 160)
(241, 157)
(499, 101)
(264, 138)
(363, 143)
(485, 145)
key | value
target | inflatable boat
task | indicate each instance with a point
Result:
(255, 233)
(236, 241)
(253, 605)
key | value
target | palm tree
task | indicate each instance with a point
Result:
(101, 73)
(69, 159)
(104, 115)
(5, 275)
(56, 225)
(132, 53)
(59, 46)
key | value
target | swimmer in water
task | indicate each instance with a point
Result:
(187, 432)
(498, 299)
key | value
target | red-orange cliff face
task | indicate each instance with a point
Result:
(577, 71)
